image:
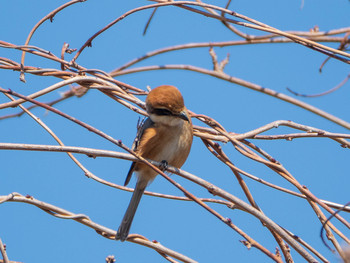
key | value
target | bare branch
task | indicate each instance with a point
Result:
(243, 83)
(211, 132)
(3, 252)
(100, 229)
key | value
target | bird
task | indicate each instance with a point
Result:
(165, 136)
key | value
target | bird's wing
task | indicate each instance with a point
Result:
(141, 127)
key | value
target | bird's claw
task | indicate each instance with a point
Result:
(163, 165)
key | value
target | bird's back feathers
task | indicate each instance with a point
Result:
(141, 127)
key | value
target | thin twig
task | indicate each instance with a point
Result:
(48, 16)
(341, 84)
(102, 230)
(237, 201)
(243, 83)
(337, 54)
(112, 154)
(3, 252)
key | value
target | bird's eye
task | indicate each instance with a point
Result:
(162, 112)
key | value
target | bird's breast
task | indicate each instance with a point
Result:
(169, 143)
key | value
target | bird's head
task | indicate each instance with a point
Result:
(165, 105)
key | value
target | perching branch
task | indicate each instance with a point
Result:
(212, 133)
(85, 220)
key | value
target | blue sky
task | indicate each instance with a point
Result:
(321, 164)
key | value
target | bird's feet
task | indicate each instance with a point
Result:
(163, 165)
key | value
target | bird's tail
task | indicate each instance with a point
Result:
(123, 230)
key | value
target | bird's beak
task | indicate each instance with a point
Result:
(183, 116)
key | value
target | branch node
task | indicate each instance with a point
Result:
(218, 67)
(246, 243)
(21, 75)
(88, 174)
(110, 258)
(51, 18)
(277, 252)
(231, 206)
(29, 197)
(211, 190)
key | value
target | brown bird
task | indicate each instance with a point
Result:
(166, 137)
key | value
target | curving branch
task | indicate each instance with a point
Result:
(85, 220)
(211, 132)
(243, 83)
